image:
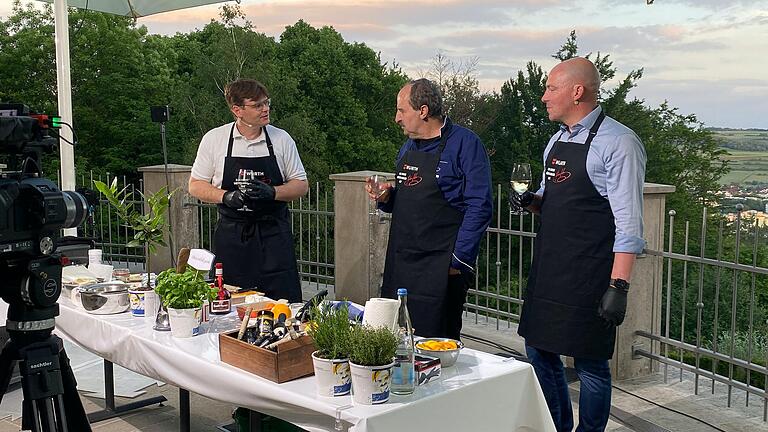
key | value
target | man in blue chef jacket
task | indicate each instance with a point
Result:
(441, 204)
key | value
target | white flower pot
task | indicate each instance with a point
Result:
(137, 302)
(184, 322)
(332, 376)
(370, 384)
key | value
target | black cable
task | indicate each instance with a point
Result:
(667, 408)
(74, 134)
(58, 135)
(504, 348)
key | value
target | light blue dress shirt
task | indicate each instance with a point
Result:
(616, 166)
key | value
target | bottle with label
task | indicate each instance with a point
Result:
(403, 377)
(222, 304)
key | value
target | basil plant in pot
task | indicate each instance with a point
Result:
(183, 294)
(371, 358)
(331, 331)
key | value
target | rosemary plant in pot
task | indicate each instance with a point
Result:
(330, 329)
(371, 358)
(183, 294)
(148, 227)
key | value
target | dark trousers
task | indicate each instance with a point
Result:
(595, 391)
(454, 304)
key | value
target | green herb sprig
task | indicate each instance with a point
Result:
(330, 330)
(372, 346)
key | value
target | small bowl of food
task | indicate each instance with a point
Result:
(446, 349)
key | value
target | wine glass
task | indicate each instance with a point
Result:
(378, 184)
(243, 183)
(519, 181)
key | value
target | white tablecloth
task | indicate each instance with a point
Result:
(482, 392)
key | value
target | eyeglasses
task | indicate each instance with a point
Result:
(260, 106)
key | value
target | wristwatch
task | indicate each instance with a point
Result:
(620, 284)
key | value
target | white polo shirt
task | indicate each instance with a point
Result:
(209, 163)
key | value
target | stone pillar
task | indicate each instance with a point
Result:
(360, 239)
(185, 228)
(644, 300)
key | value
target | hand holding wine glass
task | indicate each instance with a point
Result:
(519, 181)
(377, 188)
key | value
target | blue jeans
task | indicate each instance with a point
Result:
(595, 392)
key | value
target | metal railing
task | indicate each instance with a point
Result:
(714, 320)
(110, 233)
(715, 305)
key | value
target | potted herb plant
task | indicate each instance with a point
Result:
(330, 329)
(183, 294)
(148, 227)
(371, 358)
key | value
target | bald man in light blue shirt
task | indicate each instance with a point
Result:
(591, 206)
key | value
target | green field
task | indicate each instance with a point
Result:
(746, 166)
(747, 154)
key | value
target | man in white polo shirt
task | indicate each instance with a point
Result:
(252, 169)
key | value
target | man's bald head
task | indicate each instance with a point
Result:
(580, 71)
(572, 90)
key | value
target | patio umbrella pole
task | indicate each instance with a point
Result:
(64, 93)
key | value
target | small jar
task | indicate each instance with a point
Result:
(121, 274)
(265, 323)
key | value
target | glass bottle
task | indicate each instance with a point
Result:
(222, 304)
(403, 376)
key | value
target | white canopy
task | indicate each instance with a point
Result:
(135, 8)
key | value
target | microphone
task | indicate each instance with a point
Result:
(243, 121)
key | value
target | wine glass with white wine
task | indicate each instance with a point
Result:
(520, 180)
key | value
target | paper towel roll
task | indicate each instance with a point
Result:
(381, 312)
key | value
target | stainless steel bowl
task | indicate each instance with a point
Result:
(105, 298)
(447, 357)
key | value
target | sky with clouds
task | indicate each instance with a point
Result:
(707, 57)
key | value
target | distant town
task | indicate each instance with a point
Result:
(747, 182)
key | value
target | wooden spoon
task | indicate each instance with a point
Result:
(181, 261)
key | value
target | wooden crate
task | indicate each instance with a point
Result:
(292, 360)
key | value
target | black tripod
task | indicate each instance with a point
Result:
(51, 402)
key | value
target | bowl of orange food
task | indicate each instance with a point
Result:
(446, 349)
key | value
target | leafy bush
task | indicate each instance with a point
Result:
(185, 290)
(372, 346)
(331, 331)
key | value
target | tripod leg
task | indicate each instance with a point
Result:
(7, 363)
(77, 420)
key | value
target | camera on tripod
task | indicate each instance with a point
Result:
(32, 213)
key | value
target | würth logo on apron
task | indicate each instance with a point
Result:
(409, 176)
(556, 172)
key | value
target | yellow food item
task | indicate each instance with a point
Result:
(281, 308)
(434, 345)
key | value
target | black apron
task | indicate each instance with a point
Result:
(421, 241)
(573, 259)
(256, 247)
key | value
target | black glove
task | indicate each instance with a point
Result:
(257, 190)
(613, 306)
(233, 199)
(518, 202)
